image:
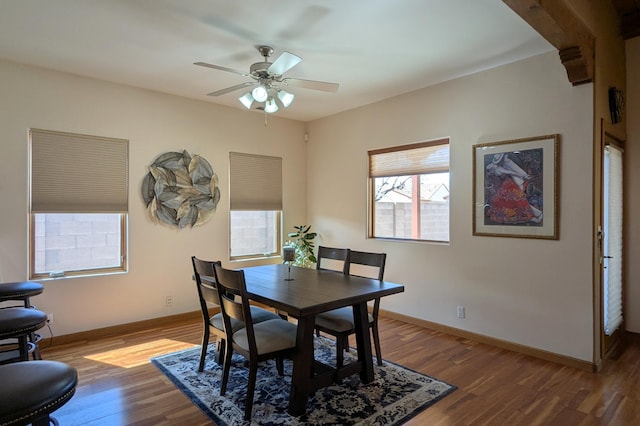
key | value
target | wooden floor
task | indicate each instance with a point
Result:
(118, 385)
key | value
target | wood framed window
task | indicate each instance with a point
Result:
(255, 206)
(409, 192)
(78, 204)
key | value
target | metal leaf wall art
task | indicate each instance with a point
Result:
(180, 189)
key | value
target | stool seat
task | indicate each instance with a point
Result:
(20, 291)
(20, 324)
(31, 390)
(15, 322)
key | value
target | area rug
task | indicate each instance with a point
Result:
(396, 395)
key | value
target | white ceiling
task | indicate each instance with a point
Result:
(374, 49)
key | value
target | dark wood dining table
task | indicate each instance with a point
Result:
(309, 293)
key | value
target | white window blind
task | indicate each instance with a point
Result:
(613, 239)
(414, 159)
(73, 173)
(255, 182)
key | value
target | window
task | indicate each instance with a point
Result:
(78, 204)
(255, 197)
(409, 192)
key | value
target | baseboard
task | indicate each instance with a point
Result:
(120, 329)
(196, 315)
(492, 341)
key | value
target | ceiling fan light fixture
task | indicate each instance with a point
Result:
(246, 99)
(270, 106)
(285, 97)
(266, 80)
(260, 93)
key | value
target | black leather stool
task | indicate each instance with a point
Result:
(22, 291)
(19, 324)
(30, 391)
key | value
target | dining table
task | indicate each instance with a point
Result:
(303, 293)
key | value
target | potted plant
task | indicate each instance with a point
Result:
(302, 240)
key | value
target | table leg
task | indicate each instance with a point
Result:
(363, 341)
(302, 367)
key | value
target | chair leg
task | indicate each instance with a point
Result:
(220, 345)
(44, 421)
(339, 351)
(35, 338)
(280, 365)
(226, 366)
(376, 342)
(203, 349)
(23, 348)
(251, 387)
(317, 332)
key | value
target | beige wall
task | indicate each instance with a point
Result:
(159, 256)
(632, 178)
(537, 293)
(531, 292)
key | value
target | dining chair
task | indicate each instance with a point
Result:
(204, 276)
(275, 338)
(333, 259)
(339, 322)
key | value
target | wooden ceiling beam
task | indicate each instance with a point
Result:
(630, 25)
(561, 27)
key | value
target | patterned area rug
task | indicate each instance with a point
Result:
(396, 395)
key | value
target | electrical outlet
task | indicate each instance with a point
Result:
(168, 301)
(460, 311)
(49, 318)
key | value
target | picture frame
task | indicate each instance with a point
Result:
(515, 188)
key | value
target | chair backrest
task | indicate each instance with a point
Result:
(369, 265)
(234, 302)
(206, 283)
(338, 259)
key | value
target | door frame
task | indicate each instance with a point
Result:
(612, 345)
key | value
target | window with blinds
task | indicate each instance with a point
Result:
(255, 203)
(79, 186)
(409, 192)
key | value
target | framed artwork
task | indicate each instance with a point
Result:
(515, 188)
(180, 190)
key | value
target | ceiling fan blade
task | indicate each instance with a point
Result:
(232, 88)
(284, 63)
(218, 67)
(312, 84)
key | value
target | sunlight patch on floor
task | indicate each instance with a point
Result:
(136, 355)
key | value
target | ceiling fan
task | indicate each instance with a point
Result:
(268, 81)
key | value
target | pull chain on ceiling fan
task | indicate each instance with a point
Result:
(268, 81)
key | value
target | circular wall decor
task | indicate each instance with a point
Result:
(180, 189)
